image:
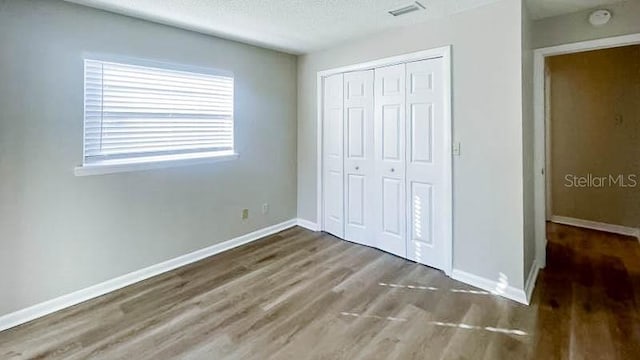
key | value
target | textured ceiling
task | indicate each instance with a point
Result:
(295, 26)
(302, 26)
(546, 8)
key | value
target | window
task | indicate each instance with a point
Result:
(137, 114)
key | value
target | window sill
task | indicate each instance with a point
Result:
(158, 162)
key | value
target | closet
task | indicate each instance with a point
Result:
(386, 158)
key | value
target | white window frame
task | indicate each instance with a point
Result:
(155, 162)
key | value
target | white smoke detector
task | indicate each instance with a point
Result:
(600, 17)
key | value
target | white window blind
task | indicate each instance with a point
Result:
(137, 113)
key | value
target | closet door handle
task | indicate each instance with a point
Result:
(357, 167)
(393, 170)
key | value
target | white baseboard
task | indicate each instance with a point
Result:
(594, 225)
(531, 280)
(308, 224)
(495, 287)
(31, 313)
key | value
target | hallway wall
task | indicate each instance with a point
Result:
(595, 132)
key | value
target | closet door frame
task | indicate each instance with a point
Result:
(441, 52)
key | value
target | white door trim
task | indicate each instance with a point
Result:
(443, 52)
(540, 123)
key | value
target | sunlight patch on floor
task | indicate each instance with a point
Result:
(494, 329)
(431, 288)
(390, 318)
(413, 287)
(475, 327)
(476, 292)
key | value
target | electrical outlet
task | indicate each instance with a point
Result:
(265, 208)
(245, 214)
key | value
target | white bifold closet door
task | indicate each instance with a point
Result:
(389, 139)
(385, 155)
(425, 170)
(333, 156)
(358, 157)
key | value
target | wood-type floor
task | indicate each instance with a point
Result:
(305, 295)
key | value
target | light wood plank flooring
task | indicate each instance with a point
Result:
(305, 295)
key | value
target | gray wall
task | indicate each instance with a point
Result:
(60, 233)
(487, 118)
(575, 27)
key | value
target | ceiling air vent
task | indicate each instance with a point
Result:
(407, 9)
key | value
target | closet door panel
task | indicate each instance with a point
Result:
(420, 133)
(359, 165)
(389, 140)
(425, 166)
(421, 214)
(391, 125)
(356, 190)
(391, 206)
(356, 129)
(333, 156)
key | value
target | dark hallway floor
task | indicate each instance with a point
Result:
(587, 297)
